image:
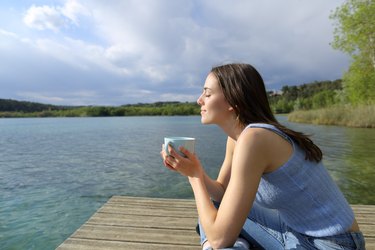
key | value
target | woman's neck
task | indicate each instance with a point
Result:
(232, 128)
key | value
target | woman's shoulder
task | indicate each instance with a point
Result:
(268, 142)
(258, 132)
(256, 136)
(267, 130)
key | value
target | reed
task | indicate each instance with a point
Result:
(345, 115)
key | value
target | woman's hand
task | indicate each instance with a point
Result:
(164, 156)
(188, 166)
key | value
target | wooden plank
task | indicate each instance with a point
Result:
(137, 234)
(110, 219)
(149, 211)
(156, 223)
(364, 208)
(85, 244)
(124, 200)
(365, 215)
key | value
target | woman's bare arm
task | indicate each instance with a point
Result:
(216, 188)
(223, 226)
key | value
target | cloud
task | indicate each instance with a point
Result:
(6, 33)
(44, 17)
(72, 9)
(143, 51)
(75, 98)
(54, 17)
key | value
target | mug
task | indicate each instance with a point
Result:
(176, 142)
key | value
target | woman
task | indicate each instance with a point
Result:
(272, 189)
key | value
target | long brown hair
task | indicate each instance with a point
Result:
(244, 90)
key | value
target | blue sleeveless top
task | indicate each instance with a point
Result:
(307, 198)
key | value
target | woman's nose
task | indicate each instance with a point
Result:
(199, 101)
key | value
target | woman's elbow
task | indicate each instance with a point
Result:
(220, 243)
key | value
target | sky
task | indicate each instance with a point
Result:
(95, 52)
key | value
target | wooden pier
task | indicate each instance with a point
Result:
(152, 223)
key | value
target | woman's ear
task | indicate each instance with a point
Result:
(231, 108)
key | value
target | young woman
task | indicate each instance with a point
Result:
(272, 190)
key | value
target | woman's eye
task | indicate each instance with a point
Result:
(207, 95)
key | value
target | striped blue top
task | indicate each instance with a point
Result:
(307, 198)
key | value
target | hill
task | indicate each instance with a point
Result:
(8, 105)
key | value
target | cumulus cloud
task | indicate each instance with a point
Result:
(150, 50)
(54, 17)
(73, 9)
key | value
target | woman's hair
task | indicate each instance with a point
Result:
(244, 90)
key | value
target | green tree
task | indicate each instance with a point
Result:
(355, 34)
(323, 99)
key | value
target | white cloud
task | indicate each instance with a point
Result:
(7, 33)
(40, 97)
(54, 17)
(72, 9)
(78, 97)
(160, 49)
(44, 17)
(178, 97)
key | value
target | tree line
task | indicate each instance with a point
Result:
(316, 95)
(303, 97)
(13, 108)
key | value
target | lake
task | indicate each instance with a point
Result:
(56, 172)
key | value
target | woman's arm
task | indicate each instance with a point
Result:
(249, 161)
(216, 188)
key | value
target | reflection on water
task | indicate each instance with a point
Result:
(349, 155)
(360, 160)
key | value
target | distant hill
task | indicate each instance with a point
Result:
(8, 105)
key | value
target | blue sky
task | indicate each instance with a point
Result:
(94, 52)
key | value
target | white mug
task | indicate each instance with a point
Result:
(176, 142)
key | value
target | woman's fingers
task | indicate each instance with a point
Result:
(174, 154)
(165, 159)
(169, 166)
(173, 160)
(185, 152)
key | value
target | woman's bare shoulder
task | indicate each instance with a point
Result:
(256, 135)
(264, 143)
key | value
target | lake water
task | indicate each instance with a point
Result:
(56, 172)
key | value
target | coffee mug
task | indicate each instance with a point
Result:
(176, 142)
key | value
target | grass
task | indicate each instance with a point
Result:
(347, 115)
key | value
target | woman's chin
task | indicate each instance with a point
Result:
(205, 121)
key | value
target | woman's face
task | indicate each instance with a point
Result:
(214, 107)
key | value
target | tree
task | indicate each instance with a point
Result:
(360, 81)
(355, 34)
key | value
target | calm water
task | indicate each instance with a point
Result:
(56, 172)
